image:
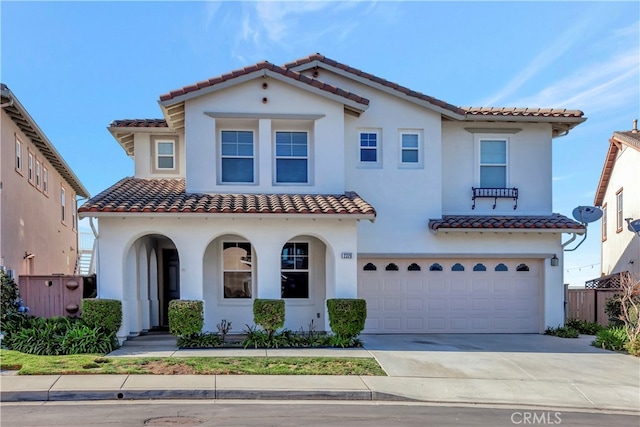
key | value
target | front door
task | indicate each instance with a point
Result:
(170, 280)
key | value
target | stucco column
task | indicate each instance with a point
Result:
(268, 270)
(264, 153)
(111, 285)
(553, 295)
(190, 252)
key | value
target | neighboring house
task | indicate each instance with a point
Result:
(618, 195)
(315, 180)
(38, 190)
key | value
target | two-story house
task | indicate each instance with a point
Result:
(315, 180)
(618, 195)
(38, 190)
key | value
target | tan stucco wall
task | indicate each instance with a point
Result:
(30, 221)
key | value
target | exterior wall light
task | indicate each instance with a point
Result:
(554, 261)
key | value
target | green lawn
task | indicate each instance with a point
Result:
(95, 364)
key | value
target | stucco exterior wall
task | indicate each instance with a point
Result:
(145, 159)
(529, 151)
(121, 240)
(325, 136)
(30, 218)
(621, 249)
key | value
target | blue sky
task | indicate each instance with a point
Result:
(76, 66)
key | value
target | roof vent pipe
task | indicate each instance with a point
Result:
(635, 126)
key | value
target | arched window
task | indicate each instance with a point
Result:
(501, 267)
(457, 267)
(391, 267)
(414, 267)
(435, 267)
(479, 267)
(369, 267)
(522, 267)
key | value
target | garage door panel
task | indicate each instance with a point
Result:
(452, 301)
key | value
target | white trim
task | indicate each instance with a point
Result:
(253, 157)
(275, 158)
(221, 297)
(378, 149)
(173, 156)
(420, 149)
(478, 138)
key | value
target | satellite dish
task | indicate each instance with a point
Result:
(587, 214)
(634, 226)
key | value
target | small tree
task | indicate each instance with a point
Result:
(629, 298)
(269, 313)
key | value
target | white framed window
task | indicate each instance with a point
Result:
(45, 180)
(619, 211)
(74, 218)
(369, 151)
(604, 222)
(237, 270)
(294, 270)
(38, 174)
(165, 155)
(18, 155)
(493, 162)
(237, 156)
(292, 157)
(410, 148)
(30, 166)
(63, 205)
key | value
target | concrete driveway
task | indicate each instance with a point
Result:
(515, 363)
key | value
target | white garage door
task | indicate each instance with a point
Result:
(452, 296)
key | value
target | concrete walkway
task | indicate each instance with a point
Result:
(511, 370)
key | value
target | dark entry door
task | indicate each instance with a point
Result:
(170, 280)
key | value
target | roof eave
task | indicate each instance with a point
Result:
(124, 135)
(316, 63)
(354, 105)
(578, 231)
(236, 215)
(45, 146)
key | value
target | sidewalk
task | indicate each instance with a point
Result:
(561, 394)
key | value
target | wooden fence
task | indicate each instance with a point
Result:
(48, 296)
(588, 304)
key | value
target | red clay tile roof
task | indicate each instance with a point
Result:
(139, 123)
(555, 221)
(523, 112)
(406, 91)
(135, 195)
(264, 66)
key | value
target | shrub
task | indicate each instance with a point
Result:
(61, 335)
(613, 309)
(611, 339)
(185, 318)
(347, 317)
(633, 347)
(105, 314)
(562, 332)
(269, 313)
(584, 327)
(206, 340)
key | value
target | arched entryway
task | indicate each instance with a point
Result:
(152, 280)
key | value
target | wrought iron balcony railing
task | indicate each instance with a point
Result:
(495, 194)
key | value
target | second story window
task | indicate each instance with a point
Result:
(619, 212)
(237, 156)
(18, 155)
(369, 147)
(38, 174)
(292, 157)
(165, 155)
(410, 149)
(493, 163)
(30, 167)
(45, 180)
(73, 213)
(604, 222)
(63, 205)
